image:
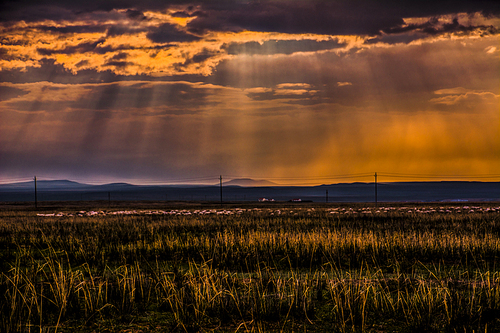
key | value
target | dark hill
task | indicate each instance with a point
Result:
(252, 190)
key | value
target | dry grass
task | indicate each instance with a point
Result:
(300, 268)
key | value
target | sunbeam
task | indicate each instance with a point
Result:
(164, 91)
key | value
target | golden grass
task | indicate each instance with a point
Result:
(245, 269)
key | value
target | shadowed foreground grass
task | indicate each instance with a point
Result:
(296, 268)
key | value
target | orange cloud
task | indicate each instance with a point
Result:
(159, 44)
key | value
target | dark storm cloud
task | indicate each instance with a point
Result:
(411, 32)
(182, 14)
(182, 98)
(92, 27)
(176, 95)
(170, 95)
(118, 64)
(80, 48)
(459, 28)
(121, 29)
(95, 47)
(119, 56)
(297, 17)
(82, 63)
(6, 55)
(31, 11)
(293, 16)
(111, 30)
(38, 10)
(281, 47)
(327, 17)
(50, 71)
(7, 93)
(75, 29)
(117, 30)
(432, 27)
(118, 61)
(167, 33)
(203, 56)
(196, 59)
(381, 74)
(136, 15)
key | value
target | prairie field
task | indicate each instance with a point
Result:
(250, 268)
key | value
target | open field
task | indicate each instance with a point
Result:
(143, 267)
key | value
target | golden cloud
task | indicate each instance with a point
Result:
(134, 52)
(116, 35)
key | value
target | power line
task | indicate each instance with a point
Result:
(434, 176)
(358, 175)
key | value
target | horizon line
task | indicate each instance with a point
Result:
(137, 182)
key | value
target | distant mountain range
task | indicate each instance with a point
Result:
(64, 184)
(251, 190)
(44, 184)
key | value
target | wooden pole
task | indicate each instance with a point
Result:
(221, 189)
(376, 194)
(36, 198)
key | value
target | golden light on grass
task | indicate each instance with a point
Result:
(355, 267)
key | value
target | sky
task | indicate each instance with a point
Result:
(297, 92)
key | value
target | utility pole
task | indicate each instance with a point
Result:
(36, 199)
(376, 199)
(221, 189)
(326, 196)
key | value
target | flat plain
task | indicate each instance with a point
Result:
(241, 267)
